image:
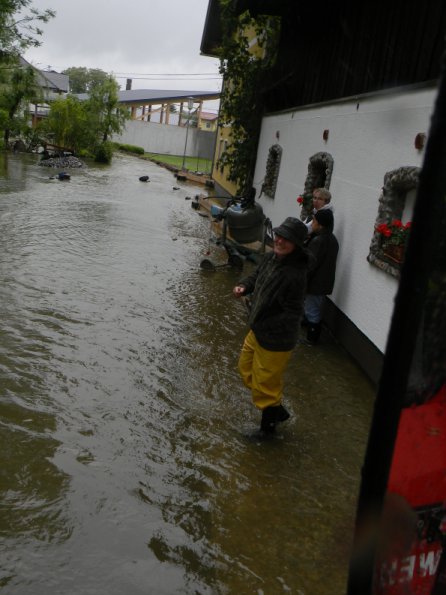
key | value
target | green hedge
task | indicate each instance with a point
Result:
(130, 149)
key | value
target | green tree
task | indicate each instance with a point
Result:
(245, 76)
(68, 124)
(20, 87)
(107, 115)
(19, 29)
(87, 125)
(84, 80)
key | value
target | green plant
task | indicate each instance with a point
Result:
(67, 124)
(104, 152)
(244, 78)
(20, 87)
(130, 149)
(83, 80)
(88, 124)
(106, 115)
(19, 30)
(85, 153)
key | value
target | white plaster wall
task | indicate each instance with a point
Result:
(158, 138)
(368, 137)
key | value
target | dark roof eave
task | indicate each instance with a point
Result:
(156, 96)
(212, 34)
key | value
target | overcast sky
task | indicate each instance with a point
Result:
(130, 39)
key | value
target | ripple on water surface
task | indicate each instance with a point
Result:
(123, 419)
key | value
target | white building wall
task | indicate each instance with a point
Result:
(368, 136)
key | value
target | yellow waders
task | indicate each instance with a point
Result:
(262, 372)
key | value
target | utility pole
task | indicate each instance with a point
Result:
(190, 105)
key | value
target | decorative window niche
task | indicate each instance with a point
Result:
(272, 171)
(395, 204)
(320, 170)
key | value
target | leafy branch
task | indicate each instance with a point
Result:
(244, 73)
(17, 33)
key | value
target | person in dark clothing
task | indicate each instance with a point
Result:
(277, 290)
(324, 246)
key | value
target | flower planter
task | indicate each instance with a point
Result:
(395, 252)
(394, 236)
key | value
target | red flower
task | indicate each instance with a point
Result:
(384, 230)
(300, 199)
(395, 233)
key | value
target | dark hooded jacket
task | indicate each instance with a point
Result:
(278, 288)
(324, 247)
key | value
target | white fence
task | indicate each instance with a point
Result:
(167, 139)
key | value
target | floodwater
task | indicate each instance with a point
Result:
(126, 466)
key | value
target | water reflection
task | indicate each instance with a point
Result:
(13, 169)
(124, 418)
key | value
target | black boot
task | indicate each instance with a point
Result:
(314, 332)
(282, 413)
(269, 420)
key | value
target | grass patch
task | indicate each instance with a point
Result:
(191, 163)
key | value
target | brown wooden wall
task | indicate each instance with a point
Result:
(339, 48)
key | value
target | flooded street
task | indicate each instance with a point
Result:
(125, 463)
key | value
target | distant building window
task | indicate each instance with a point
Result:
(208, 124)
(395, 210)
(272, 171)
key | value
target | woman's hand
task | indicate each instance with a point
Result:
(239, 290)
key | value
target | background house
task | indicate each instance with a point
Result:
(347, 106)
(208, 121)
(52, 85)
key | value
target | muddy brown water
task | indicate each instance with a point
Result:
(125, 462)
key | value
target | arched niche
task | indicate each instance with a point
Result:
(272, 171)
(400, 186)
(320, 171)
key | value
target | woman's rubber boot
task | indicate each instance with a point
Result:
(269, 420)
(282, 413)
(314, 332)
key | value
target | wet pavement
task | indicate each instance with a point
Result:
(126, 463)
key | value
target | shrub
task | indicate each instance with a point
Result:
(130, 149)
(104, 152)
(85, 153)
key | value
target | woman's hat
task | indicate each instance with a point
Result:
(292, 229)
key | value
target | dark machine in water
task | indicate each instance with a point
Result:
(245, 231)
